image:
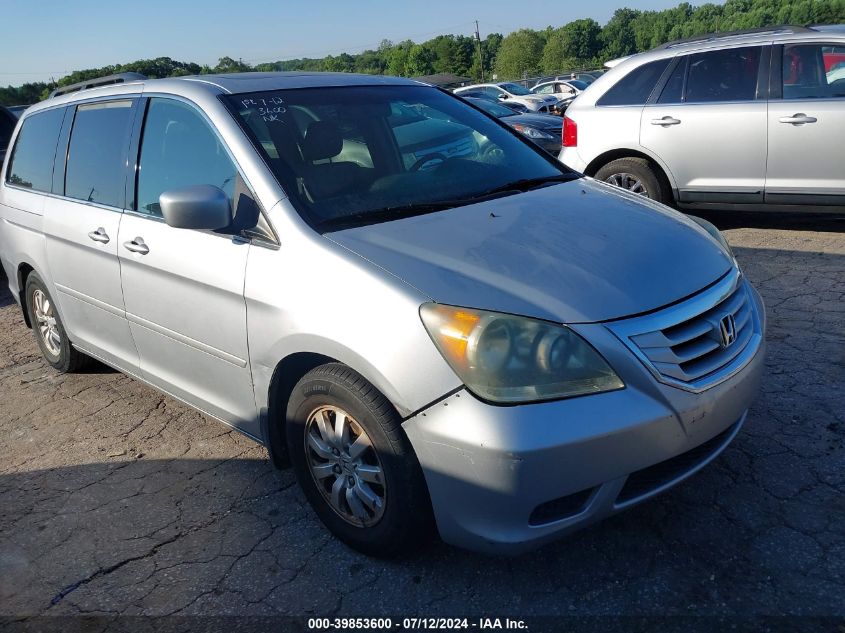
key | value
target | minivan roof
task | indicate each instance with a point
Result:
(226, 83)
(234, 82)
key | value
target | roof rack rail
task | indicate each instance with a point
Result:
(108, 80)
(764, 30)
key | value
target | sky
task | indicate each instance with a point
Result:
(50, 38)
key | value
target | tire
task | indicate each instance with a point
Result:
(625, 172)
(403, 521)
(49, 330)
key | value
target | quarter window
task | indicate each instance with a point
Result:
(32, 159)
(723, 75)
(96, 155)
(178, 150)
(813, 71)
(635, 87)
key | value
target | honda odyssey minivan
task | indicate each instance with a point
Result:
(476, 340)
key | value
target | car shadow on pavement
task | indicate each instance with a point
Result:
(823, 222)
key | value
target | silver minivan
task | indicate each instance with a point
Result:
(747, 121)
(437, 326)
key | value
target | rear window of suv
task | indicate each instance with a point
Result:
(31, 165)
(635, 87)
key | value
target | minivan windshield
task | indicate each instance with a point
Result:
(356, 155)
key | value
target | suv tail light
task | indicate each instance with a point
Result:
(570, 132)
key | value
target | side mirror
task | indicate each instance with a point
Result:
(196, 207)
(502, 95)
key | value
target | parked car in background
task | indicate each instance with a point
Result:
(480, 94)
(18, 110)
(493, 346)
(744, 121)
(582, 76)
(7, 126)
(542, 129)
(561, 88)
(511, 92)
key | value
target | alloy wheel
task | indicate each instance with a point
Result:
(629, 182)
(46, 321)
(345, 466)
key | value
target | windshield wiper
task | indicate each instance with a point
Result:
(409, 210)
(527, 184)
(391, 213)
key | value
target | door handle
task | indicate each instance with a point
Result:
(100, 236)
(137, 246)
(798, 119)
(666, 121)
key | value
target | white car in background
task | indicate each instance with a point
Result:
(561, 88)
(514, 93)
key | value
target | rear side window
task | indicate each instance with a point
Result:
(96, 164)
(723, 75)
(813, 71)
(32, 159)
(635, 87)
(178, 150)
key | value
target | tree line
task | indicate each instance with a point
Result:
(580, 44)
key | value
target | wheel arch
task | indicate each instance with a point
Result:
(25, 269)
(662, 170)
(286, 374)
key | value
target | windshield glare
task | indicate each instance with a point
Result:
(342, 153)
(515, 89)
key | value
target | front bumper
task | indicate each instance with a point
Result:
(506, 479)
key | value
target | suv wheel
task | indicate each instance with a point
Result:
(634, 174)
(355, 464)
(48, 328)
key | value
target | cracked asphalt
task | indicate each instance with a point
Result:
(117, 500)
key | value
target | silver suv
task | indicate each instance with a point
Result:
(745, 121)
(428, 316)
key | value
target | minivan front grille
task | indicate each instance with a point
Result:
(698, 342)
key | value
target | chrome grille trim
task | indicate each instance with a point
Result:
(680, 345)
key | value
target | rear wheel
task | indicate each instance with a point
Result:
(635, 175)
(355, 464)
(48, 328)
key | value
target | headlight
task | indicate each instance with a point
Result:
(714, 233)
(509, 359)
(532, 132)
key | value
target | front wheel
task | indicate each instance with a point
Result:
(355, 464)
(634, 174)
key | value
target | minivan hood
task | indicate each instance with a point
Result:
(574, 252)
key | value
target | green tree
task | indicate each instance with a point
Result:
(397, 59)
(618, 35)
(582, 39)
(521, 52)
(554, 52)
(420, 61)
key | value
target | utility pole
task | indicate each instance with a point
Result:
(480, 55)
